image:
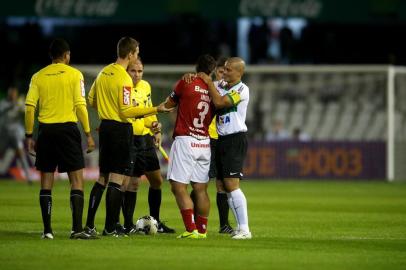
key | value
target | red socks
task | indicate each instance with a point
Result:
(188, 219)
(201, 224)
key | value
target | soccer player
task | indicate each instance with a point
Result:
(112, 94)
(11, 112)
(189, 160)
(221, 196)
(59, 90)
(147, 136)
(231, 97)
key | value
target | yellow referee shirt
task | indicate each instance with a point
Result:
(138, 101)
(143, 91)
(213, 129)
(58, 88)
(112, 93)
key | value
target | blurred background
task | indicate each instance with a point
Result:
(327, 83)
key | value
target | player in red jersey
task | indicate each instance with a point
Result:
(189, 159)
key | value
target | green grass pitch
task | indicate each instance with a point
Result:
(295, 225)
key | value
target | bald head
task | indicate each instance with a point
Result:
(234, 70)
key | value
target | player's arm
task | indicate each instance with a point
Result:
(30, 104)
(92, 98)
(128, 111)
(229, 100)
(81, 113)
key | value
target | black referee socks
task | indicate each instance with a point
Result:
(94, 200)
(154, 201)
(76, 205)
(113, 205)
(45, 201)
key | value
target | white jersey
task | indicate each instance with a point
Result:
(232, 120)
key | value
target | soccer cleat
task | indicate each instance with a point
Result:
(82, 235)
(191, 235)
(91, 231)
(47, 236)
(234, 232)
(117, 232)
(226, 229)
(130, 230)
(242, 235)
(162, 228)
(202, 235)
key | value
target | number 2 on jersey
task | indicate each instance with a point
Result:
(204, 106)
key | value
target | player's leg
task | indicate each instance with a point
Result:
(185, 205)
(95, 197)
(45, 200)
(129, 203)
(76, 203)
(180, 168)
(202, 206)
(46, 162)
(154, 176)
(223, 207)
(200, 180)
(221, 195)
(234, 149)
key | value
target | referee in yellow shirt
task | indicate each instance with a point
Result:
(59, 90)
(147, 136)
(112, 94)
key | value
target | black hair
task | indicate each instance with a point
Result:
(205, 63)
(57, 48)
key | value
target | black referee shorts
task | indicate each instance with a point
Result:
(230, 154)
(59, 145)
(212, 170)
(115, 146)
(144, 155)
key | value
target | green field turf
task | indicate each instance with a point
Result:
(295, 225)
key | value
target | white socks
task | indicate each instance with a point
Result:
(238, 204)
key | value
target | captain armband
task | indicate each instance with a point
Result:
(234, 96)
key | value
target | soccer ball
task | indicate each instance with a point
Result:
(146, 225)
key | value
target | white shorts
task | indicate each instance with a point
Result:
(189, 160)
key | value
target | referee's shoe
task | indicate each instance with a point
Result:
(82, 235)
(162, 228)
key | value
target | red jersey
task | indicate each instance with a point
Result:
(195, 109)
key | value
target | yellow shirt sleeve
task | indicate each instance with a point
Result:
(29, 119)
(33, 93)
(81, 112)
(78, 89)
(91, 98)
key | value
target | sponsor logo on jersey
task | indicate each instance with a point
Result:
(200, 90)
(200, 145)
(126, 95)
(224, 119)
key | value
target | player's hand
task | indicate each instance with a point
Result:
(189, 77)
(206, 78)
(90, 144)
(162, 108)
(31, 146)
(156, 127)
(157, 140)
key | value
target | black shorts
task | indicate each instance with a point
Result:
(59, 145)
(230, 154)
(138, 155)
(145, 157)
(212, 170)
(150, 156)
(115, 146)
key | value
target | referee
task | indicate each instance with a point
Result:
(59, 90)
(112, 95)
